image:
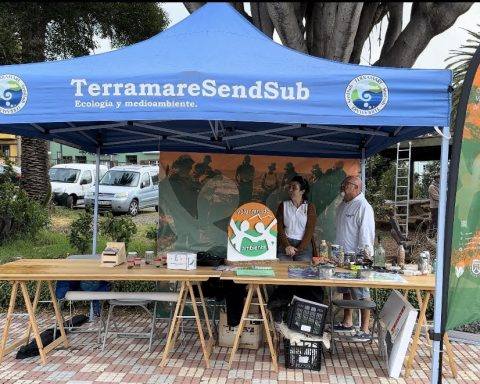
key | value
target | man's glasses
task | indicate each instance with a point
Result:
(344, 184)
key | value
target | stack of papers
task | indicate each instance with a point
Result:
(255, 271)
(382, 276)
(346, 275)
(302, 272)
(375, 276)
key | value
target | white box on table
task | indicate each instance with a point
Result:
(182, 260)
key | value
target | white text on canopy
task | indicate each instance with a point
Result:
(208, 88)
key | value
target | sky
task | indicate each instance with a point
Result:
(432, 57)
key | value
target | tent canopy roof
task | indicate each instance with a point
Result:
(215, 83)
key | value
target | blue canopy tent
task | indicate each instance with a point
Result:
(214, 82)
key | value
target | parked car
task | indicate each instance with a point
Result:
(70, 182)
(17, 170)
(126, 188)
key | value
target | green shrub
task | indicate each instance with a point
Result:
(8, 175)
(118, 228)
(151, 233)
(19, 216)
(81, 232)
(380, 184)
(33, 217)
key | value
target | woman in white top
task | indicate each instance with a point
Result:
(296, 219)
(296, 223)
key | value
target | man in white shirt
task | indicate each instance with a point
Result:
(355, 227)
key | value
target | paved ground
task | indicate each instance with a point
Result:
(127, 360)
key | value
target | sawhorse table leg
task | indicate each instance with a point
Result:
(32, 325)
(422, 322)
(254, 288)
(187, 289)
(416, 337)
(451, 356)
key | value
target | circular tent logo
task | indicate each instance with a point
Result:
(13, 94)
(366, 95)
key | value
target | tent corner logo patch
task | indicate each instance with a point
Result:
(366, 95)
(13, 94)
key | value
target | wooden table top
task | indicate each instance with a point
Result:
(68, 269)
(71, 269)
(424, 282)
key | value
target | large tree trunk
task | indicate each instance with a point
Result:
(34, 152)
(261, 19)
(427, 21)
(371, 14)
(338, 31)
(285, 21)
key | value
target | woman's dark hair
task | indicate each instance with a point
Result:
(303, 185)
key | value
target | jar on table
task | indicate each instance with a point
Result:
(137, 259)
(160, 260)
(131, 259)
(401, 256)
(334, 251)
(350, 257)
(424, 263)
(149, 257)
(341, 255)
(323, 250)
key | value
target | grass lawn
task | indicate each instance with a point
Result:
(52, 242)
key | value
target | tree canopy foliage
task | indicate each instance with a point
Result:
(40, 31)
(72, 29)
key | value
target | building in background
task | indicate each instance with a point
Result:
(10, 147)
(60, 153)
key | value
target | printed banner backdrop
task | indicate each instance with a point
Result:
(464, 278)
(199, 192)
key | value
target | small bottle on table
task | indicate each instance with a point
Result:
(401, 256)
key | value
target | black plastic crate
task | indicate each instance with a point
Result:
(307, 316)
(308, 355)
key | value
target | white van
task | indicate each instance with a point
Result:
(70, 182)
(127, 188)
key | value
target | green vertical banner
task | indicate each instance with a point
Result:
(462, 240)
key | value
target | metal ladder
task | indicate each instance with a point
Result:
(402, 187)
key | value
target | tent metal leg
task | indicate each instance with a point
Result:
(437, 316)
(95, 209)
